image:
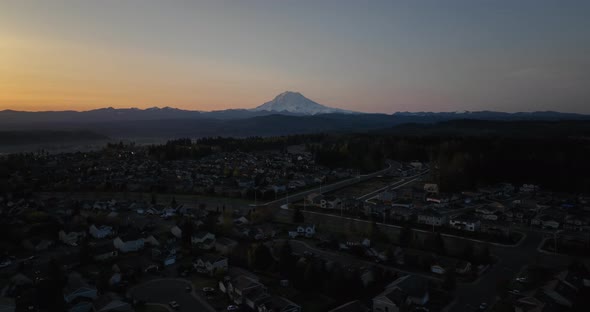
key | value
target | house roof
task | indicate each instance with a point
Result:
(75, 282)
(110, 302)
(244, 282)
(200, 234)
(226, 241)
(278, 303)
(414, 286)
(211, 258)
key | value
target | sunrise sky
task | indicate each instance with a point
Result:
(373, 56)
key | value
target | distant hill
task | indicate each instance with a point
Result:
(14, 138)
(512, 128)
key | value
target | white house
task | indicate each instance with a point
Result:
(465, 222)
(129, 243)
(306, 230)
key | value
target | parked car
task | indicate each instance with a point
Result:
(233, 308)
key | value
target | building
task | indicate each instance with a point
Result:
(465, 222)
(211, 264)
(408, 290)
(203, 240)
(279, 304)
(225, 246)
(129, 243)
(101, 231)
(431, 217)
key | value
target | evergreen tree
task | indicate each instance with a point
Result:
(298, 216)
(406, 236)
(287, 260)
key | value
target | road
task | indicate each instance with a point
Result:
(391, 165)
(395, 185)
(299, 247)
(162, 291)
(511, 260)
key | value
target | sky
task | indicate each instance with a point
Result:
(371, 56)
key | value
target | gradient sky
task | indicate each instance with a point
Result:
(373, 56)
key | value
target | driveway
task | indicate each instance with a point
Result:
(162, 291)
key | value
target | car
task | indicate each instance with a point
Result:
(208, 289)
(188, 289)
(233, 308)
(174, 305)
(483, 306)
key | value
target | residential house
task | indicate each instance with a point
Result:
(401, 213)
(306, 230)
(255, 298)
(129, 243)
(330, 203)
(78, 294)
(406, 290)
(577, 223)
(239, 286)
(466, 222)
(487, 212)
(314, 199)
(431, 217)
(70, 238)
(110, 303)
(100, 231)
(279, 304)
(225, 246)
(165, 256)
(203, 240)
(431, 188)
(443, 264)
(211, 264)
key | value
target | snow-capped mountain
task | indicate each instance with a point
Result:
(296, 103)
